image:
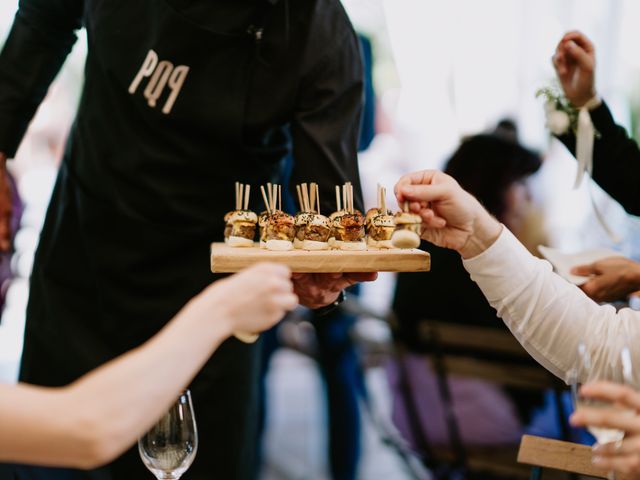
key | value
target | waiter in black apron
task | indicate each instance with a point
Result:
(181, 99)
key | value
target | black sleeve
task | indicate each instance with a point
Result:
(42, 36)
(326, 125)
(616, 159)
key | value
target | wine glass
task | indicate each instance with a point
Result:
(169, 448)
(618, 370)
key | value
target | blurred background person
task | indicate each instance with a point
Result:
(494, 168)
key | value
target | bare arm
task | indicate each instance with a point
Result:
(98, 417)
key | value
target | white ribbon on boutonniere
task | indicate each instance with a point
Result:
(585, 136)
(563, 117)
(585, 139)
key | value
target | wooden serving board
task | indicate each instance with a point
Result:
(225, 259)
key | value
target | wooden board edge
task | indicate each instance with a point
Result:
(557, 455)
(221, 265)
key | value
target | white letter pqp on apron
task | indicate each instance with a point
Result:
(161, 75)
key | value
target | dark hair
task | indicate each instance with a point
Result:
(487, 165)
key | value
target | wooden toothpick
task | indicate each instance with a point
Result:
(305, 197)
(338, 205)
(300, 198)
(318, 197)
(266, 200)
(344, 197)
(312, 197)
(247, 192)
(274, 207)
(270, 194)
(353, 206)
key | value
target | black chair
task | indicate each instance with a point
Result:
(489, 354)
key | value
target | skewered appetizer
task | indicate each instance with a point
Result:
(301, 220)
(370, 215)
(408, 229)
(348, 225)
(243, 228)
(317, 233)
(380, 223)
(279, 230)
(240, 225)
(349, 231)
(312, 228)
(381, 231)
(335, 238)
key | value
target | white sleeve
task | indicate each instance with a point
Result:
(548, 315)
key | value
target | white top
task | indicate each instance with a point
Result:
(548, 315)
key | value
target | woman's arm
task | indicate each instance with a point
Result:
(547, 315)
(98, 417)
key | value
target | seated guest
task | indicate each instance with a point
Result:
(494, 168)
(616, 157)
(549, 316)
(95, 419)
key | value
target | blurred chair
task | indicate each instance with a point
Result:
(472, 352)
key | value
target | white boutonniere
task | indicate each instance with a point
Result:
(561, 114)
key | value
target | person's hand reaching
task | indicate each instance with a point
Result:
(575, 64)
(452, 218)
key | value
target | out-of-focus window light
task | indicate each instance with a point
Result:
(464, 64)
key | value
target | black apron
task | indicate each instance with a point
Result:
(138, 199)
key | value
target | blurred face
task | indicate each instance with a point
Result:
(518, 202)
